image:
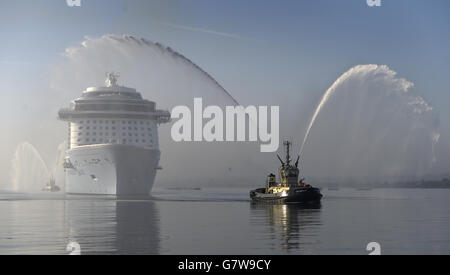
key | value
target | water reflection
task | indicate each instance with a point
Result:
(113, 227)
(290, 227)
(137, 227)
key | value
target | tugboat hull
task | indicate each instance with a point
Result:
(294, 195)
(308, 194)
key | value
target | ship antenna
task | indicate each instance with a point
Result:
(296, 162)
(282, 163)
(111, 79)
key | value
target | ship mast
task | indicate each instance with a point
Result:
(288, 157)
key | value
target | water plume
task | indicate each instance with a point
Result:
(29, 171)
(370, 125)
(58, 170)
(155, 70)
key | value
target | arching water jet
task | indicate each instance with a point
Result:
(30, 173)
(371, 126)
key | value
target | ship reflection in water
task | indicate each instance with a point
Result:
(292, 227)
(102, 225)
(113, 227)
(223, 221)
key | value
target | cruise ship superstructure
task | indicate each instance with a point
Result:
(113, 146)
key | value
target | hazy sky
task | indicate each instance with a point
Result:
(278, 46)
(260, 51)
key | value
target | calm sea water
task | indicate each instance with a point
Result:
(223, 221)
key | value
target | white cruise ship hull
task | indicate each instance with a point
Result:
(111, 169)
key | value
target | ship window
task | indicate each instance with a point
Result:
(101, 133)
(141, 122)
(114, 134)
(135, 134)
(123, 121)
(129, 134)
(135, 122)
(88, 133)
(80, 128)
(106, 128)
(81, 122)
(101, 121)
(88, 127)
(129, 122)
(78, 140)
(95, 127)
(94, 121)
(114, 128)
(143, 141)
(87, 140)
(137, 140)
(94, 140)
(124, 140)
(80, 133)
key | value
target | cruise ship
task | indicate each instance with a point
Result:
(113, 146)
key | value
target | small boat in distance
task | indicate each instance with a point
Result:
(51, 186)
(290, 189)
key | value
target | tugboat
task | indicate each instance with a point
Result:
(290, 189)
(51, 186)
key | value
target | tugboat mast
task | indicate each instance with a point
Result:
(288, 157)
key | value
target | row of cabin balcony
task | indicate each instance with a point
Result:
(114, 107)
